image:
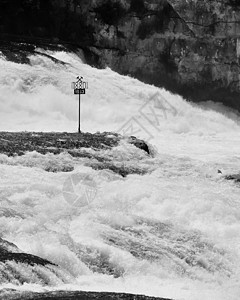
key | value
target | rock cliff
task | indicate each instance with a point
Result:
(190, 47)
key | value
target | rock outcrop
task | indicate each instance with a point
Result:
(18, 143)
(190, 47)
(234, 177)
(32, 147)
(18, 268)
(72, 295)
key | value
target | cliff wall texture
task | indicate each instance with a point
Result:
(191, 47)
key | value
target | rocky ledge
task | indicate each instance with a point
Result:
(234, 177)
(18, 143)
(94, 147)
(74, 295)
(19, 268)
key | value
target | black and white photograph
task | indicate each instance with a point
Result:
(120, 149)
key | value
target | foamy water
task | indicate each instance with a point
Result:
(174, 232)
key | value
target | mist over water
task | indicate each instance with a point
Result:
(174, 232)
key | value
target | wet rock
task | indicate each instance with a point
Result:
(17, 267)
(19, 143)
(119, 169)
(10, 252)
(141, 144)
(6, 247)
(234, 177)
(75, 295)
(24, 258)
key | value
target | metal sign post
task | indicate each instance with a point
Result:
(79, 88)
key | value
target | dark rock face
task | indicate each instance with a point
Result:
(67, 295)
(18, 267)
(189, 47)
(234, 177)
(139, 143)
(18, 143)
(15, 144)
(9, 252)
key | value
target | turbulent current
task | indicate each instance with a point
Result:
(173, 232)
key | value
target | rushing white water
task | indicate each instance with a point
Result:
(174, 232)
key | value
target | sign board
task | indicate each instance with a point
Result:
(79, 91)
(79, 88)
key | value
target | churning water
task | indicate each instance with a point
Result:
(173, 232)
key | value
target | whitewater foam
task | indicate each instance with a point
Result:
(173, 232)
